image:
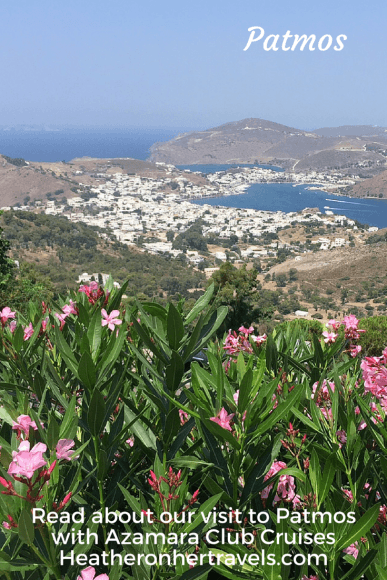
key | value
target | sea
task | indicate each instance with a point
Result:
(289, 197)
(64, 145)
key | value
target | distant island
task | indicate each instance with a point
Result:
(358, 150)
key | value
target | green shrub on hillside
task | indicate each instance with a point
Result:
(374, 340)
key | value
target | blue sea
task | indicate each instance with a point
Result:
(286, 197)
(64, 145)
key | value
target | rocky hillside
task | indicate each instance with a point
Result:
(256, 140)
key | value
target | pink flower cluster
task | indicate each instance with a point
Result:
(5, 315)
(322, 397)
(67, 309)
(223, 419)
(286, 489)
(351, 333)
(110, 320)
(93, 292)
(89, 574)
(375, 376)
(235, 343)
(23, 425)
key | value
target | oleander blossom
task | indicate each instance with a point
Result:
(89, 574)
(28, 331)
(5, 315)
(375, 375)
(235, 343)
(63, 449)
(71, 308)
(223, 419)
(110, 320)
(286, 489)
(313, 577)
(23, 425)
(93, 292)
(25, 461)
(329, 337)
(352, 550)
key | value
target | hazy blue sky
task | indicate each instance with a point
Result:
(182, 64)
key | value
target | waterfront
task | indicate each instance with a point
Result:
(289, 197)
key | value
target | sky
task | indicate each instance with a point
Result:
(148, 64)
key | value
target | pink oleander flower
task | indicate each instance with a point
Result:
(28, 331)
(286, 489)
(350, 322)
(12, 326)
(130, 441)
(63, 448)
(110, 319)
(236, 397)
(25, 462)
(89, 574)
(62, 319)
(352, 550)
(313, 577)
(375, 376)
(354, 350)
(223, 419)
(45, 321)
(93, 292)
(329, 337)
(347, 494)
(24, 424)
(259, 339)
(323, 398)
(352, 332)
(235, 343)
(5, 315)
(335, 324)
(245, 330)
(341, 436)
(71, 308)
(183, 415)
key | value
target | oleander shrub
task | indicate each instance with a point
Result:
(137, 445)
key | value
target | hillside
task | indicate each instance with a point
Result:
(374, 187)
(355, 130)
(257, 140)
(63, 250)
(336, 281)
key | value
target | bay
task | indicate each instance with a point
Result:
(288, 197)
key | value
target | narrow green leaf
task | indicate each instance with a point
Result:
(359, 529)
(96, 413)
(26, 528)
(175, 327)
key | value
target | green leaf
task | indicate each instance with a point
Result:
(359, 529)
(362, 566)
(86, 371)
(94, 333)
(196, 572)
(96, 413)
(174, 372)
(69, 422)
(200, 304)
(26, 528)
(175, 327)
(327, 479)
(221, 433)
(52, 433)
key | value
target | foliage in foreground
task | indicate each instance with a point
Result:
(111, 411)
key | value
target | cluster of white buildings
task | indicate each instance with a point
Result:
(132, 205)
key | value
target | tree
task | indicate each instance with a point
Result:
(235, 288)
